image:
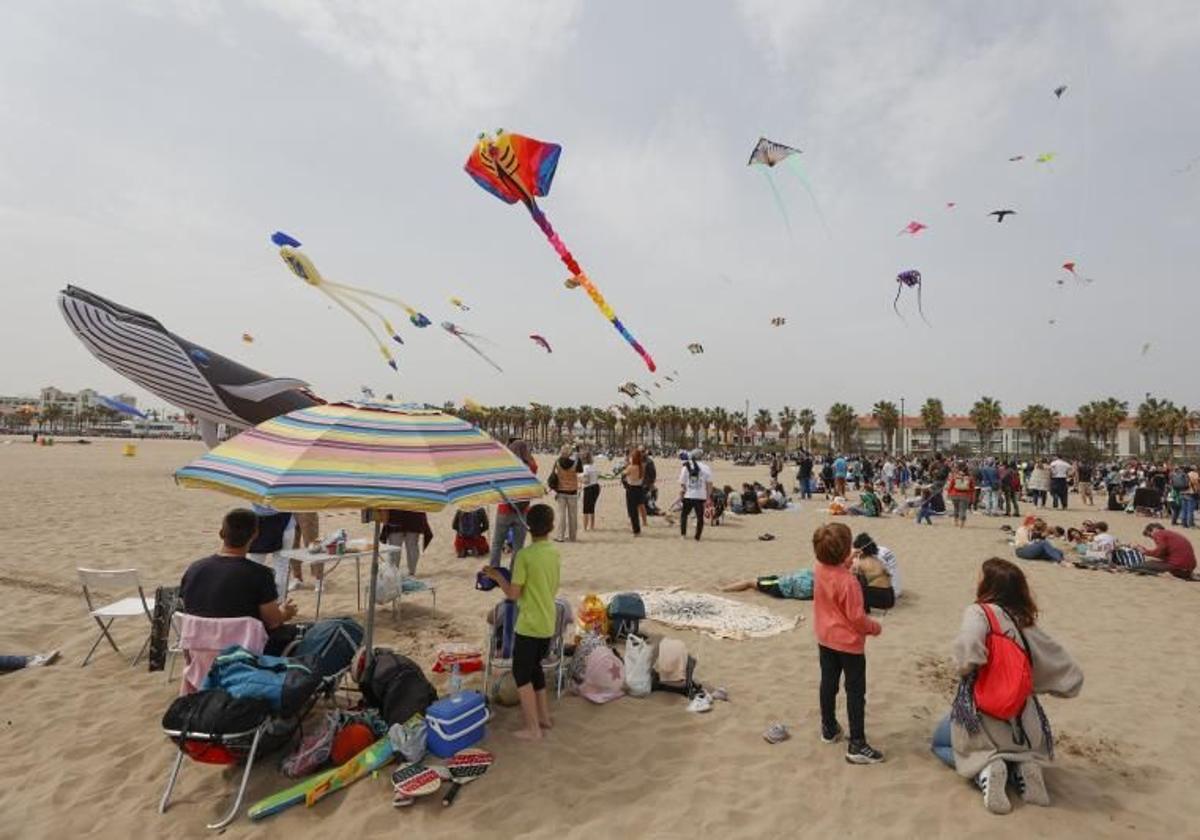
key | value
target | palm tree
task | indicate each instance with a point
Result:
(842, 422)
(986, 415)
(933, 416)
(51, 415)
(1112, 413)
(762, 422)
(722, 423)
(1150, 420)
(1174, 424)
(786, 421)
(1087, 417)
(740, 424)
(587, 416)
(806, 420)
(1041, 424)
(697, 420)
(888, 417)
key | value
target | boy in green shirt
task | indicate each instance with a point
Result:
(533, 587)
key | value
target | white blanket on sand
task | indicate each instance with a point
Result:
(713, 615)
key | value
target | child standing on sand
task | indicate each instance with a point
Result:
(841, 627)
(534, 587)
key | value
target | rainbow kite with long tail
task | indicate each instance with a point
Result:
(516, 168)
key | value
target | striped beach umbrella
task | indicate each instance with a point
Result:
(364, 455)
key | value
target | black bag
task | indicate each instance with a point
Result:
(625, 613)
(552, 481)
(396, 686)
(166, 601)
(215, 712)
(329, 646)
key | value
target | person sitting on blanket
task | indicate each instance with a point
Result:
(228, 585)
(798, 585)
(866, 546)
(1172, 552)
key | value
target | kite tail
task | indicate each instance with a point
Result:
(919, 309)
(798, 171)
(576, 270)
(366, 307)
(387, 355)
(778, 199)
(418, 319)
(899, 289)
(479, 352)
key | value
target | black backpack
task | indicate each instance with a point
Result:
(329, 645)
(396, 686)
(625, 613)
(215, 712)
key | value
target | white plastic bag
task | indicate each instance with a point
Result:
(388, 584)
(639, 659)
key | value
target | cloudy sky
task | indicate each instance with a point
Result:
(150, 148)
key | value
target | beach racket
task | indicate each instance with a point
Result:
(466, 766)
(413, 780)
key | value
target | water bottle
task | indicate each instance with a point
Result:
(455, 679)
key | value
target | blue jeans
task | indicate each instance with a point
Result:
(12, 663)
(925, 515)
(1040, 550)
(504, 521)
(1187, 504)
(941, 742)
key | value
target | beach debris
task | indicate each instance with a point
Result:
(695, 348)
(1000, 214)
(776, 733)
(913, 228)
(1059, 91)
(541, 342)
(912, 280)
(465, 337)
(515, 168)
(349, 298)
(458, 302)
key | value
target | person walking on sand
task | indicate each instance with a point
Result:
(631, 477)
(695, 489)
(591, 489)
(840, 470)
(961, 492)
(1060, 472)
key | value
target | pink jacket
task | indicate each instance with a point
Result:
(201, 639)
(839, 619)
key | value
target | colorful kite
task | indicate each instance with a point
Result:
(1070, 266)
(695, 348)
(1046, 157)
(457, 301)
(778, 322)
(1059, 91)
(465, 337)
(247, 338)
(911, 279)
(541, 342)
(768, 154)
(1000, 214)
(347, 297)
(913, 228)
(516, 168)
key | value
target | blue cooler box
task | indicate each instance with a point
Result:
(457, 722)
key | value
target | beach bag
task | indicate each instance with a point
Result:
(588, 641)
(639, 659)
(1005, 682)
(625, 612)
(396, 686)
(603, 675)
(329, 645)
(470, 525)
(962, 484)
(552, 481)
(314, 749)
(286, 684)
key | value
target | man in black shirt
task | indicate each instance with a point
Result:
(228, 585)
(804, 474)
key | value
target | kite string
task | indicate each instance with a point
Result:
(778, 198)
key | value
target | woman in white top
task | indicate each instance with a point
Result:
(1039, 484)
(591, 490)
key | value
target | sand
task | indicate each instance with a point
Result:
(84, 755)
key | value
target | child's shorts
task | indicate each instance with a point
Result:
(528, 653)
(769, 585)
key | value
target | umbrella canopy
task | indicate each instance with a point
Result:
(364, 455)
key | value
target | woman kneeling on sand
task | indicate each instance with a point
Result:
(986, 749)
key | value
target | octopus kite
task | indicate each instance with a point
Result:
(515, 168)
(541, 342)
(465, 337)
(769, 154)
(694, 349)
(347, 297)
(911, 279)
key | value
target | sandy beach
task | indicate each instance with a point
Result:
(85, 757)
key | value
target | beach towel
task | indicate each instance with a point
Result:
(203, 638)
(713, 615)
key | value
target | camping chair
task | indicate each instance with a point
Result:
(128, 607)
(200, 640)
(555, 660)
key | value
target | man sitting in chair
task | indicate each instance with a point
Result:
(229, 585)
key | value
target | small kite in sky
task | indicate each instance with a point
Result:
(1016, 158)
(1145, 348)
(515, 168)
(541, 342)
(912, 228)
(465, 337)
(347, 297)
(633, 390)
(769, 154)
(911, 279)
(1052, 321)
(695, 348)
(1070, 266)
(950, 205)
(367, 392)
(1046, 157)
(458, 302)
(669, 378)
(247, 338)
(778, 322)
(1187, 167)
(1000, 214)
(1059, 91)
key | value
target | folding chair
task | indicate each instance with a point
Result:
(410, 585)
(128, 607)
(555, 660)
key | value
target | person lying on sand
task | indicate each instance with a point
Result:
(10, 663)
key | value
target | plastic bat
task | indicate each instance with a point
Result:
(769, 154)
(1059, 91)
(465, 337)
(349, 298)
(778, 322)
(695, 348)
(458, 302)
(912, 280)
(541, 342)
(1046, 157)
(1000, 214)
(516, 168)
(912, 228)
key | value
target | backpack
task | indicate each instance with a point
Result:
(1005, 682)
(962, 484)
(1179, 480)
(396, 686)
(329, 645)
(286, 684)
(470, 525)
(215, 712)
(625, 612)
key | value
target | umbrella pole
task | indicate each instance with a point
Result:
(369, 635)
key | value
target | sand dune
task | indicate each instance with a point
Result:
(84, 754)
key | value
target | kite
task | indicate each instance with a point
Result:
(695, 348)
(778, 322)
(457, 301)
(913, 228)
(768, 154)
(347, 297)
(911, 279)
(1145, 348)
(465, 337)
(1046, 157)
(541, 342)
(205, 384)
(633, 391)
(1070, 266)
(368, 393)
(1059, 91)
(1000, 214)
(1052, 321)
(121, 408)
(950, 205)
(656, 385)
(247, 338)
(516, 168)
(669, 378)
(1187, 167)
(1016, 158)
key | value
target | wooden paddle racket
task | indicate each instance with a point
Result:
(466, 766)
(413, 780)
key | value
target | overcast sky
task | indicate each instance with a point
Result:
(150, 148)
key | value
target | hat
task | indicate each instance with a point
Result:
(672, 661)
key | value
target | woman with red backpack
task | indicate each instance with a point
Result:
(997, 729)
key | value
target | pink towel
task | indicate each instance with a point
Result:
(203, 638)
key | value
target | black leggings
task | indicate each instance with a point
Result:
(590, 494)
(690, 505)
(635, 496)
(528, 653)
(833, 664)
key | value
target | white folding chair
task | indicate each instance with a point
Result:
(128, 607)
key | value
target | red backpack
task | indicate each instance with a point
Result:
(1005, 682)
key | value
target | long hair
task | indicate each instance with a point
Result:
(636, 458)
(1003, 584)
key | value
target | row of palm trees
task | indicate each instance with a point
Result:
(1157, 421)
(55, 419)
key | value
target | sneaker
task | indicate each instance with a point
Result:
(829, 736)
(1031, 784)
(992, 781)
(318, 585)
(702, 702)
(39, 660)
(860, 752)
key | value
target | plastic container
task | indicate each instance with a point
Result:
(457, 722)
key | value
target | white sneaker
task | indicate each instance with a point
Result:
(40, 659)
(700, 703)
(318, 586)
(992, 781)
(1031, 784)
